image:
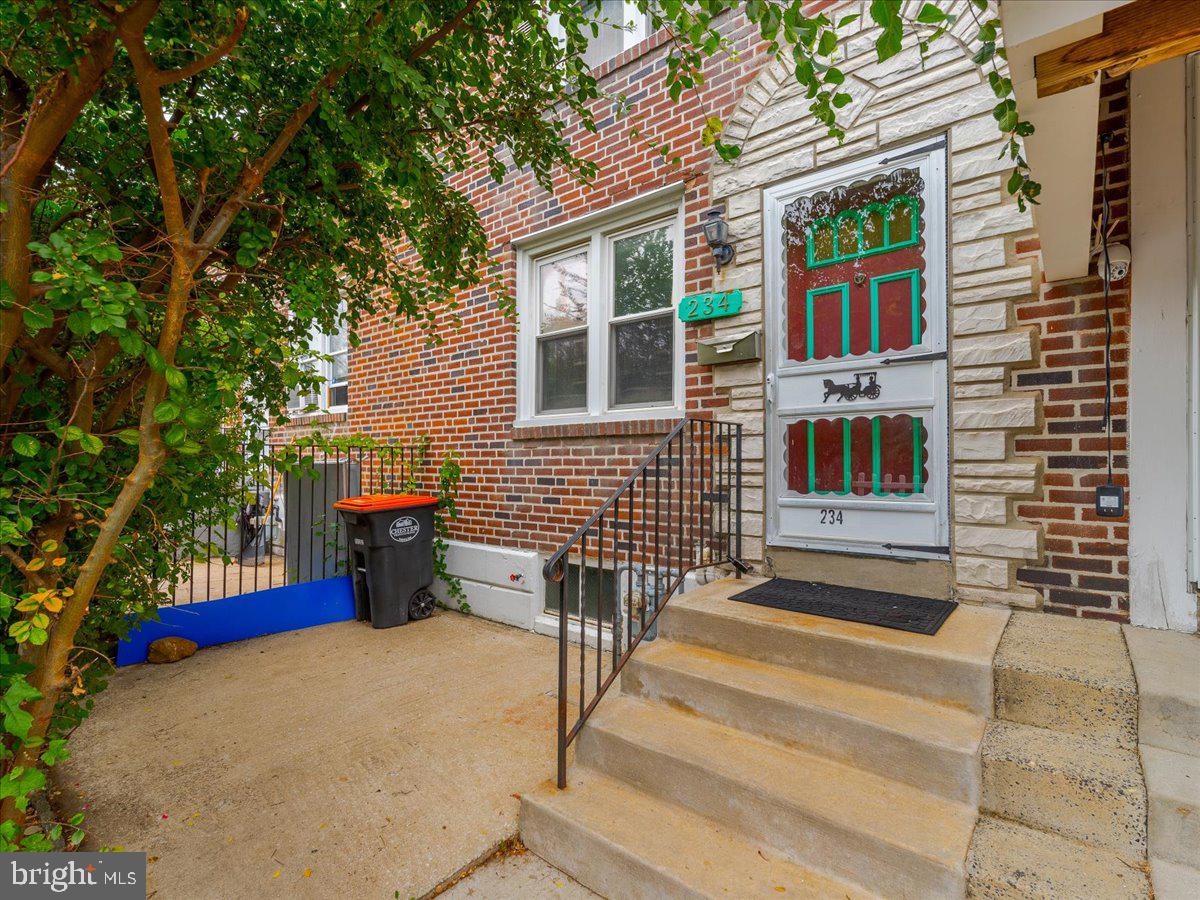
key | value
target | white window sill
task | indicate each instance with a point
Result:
(638, 414)
(301, 415)
(547, 624)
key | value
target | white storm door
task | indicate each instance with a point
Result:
(855, 303)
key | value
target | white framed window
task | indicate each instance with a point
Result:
(329, 357)
(599, 338)
(622, 25)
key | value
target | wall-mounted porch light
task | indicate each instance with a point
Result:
(716, 232)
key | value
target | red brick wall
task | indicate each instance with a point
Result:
(1086, 570)
(532, 487)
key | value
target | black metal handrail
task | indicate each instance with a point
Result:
(679, 510)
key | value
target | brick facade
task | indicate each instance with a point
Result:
(530, 487)
(1086, 569)
(1025, 356)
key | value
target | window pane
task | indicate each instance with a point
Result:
(297, 400)
(563, 289)
(900, 223)
(872, 230)
(600, 588)
(337, 368)
(643, 272)
(880, 455)
(562, 372)
(822, 242)
(642, 354)
(847, 235)
(611, 39)
(337, 394)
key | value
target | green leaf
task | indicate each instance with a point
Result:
(80, 322)
(129, 436)
(931, 15)
(165, 412)
(26, 445)
(16, 720)
(174, 435)
(130, 342)
(984, 53)
(37, 317)
(176, 380)
(89, 443)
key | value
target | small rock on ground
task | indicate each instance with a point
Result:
(170, 649)
(518, 876)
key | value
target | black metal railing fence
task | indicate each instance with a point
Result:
(679, 510)
(282, 528)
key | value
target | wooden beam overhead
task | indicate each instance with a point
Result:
(1138, 34)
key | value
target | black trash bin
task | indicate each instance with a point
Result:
(391, 556)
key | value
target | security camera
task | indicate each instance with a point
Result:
(1119, 258)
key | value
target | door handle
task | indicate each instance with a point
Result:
(922, 357)
(920, 548)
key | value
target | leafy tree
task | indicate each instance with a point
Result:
(188, 188)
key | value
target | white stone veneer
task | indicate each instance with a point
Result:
(898, 102)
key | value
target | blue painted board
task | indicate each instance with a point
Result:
(245, 616)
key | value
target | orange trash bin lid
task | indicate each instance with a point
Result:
(377, 502)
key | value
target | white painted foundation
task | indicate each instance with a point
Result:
(501, 584)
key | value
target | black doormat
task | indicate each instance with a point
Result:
(916, 614)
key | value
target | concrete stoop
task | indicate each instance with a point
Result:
(1063, 808)
(753, 752)
(1072, 675)
(1010, 860)
(1167, 666)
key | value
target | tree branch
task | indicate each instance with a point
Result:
(452, 25)
(132, 32)
(210, 59)
(47, 357)
(252, 176)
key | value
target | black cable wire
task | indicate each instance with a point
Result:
(1105, 139)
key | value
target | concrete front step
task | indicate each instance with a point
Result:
(1167, 665)
(1173, 881)
(1069, 674)
(887, 836)
(1173, 786)
(1009, 860)
(953, 667)
(626, 843)
(928, 745)
(1050, 780)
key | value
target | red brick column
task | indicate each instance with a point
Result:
(1086, 571)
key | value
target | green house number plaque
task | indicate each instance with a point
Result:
(699, 307)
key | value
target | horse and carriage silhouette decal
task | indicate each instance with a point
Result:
(870, 388)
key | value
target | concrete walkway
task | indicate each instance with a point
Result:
(518, 875)
(333, 762)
